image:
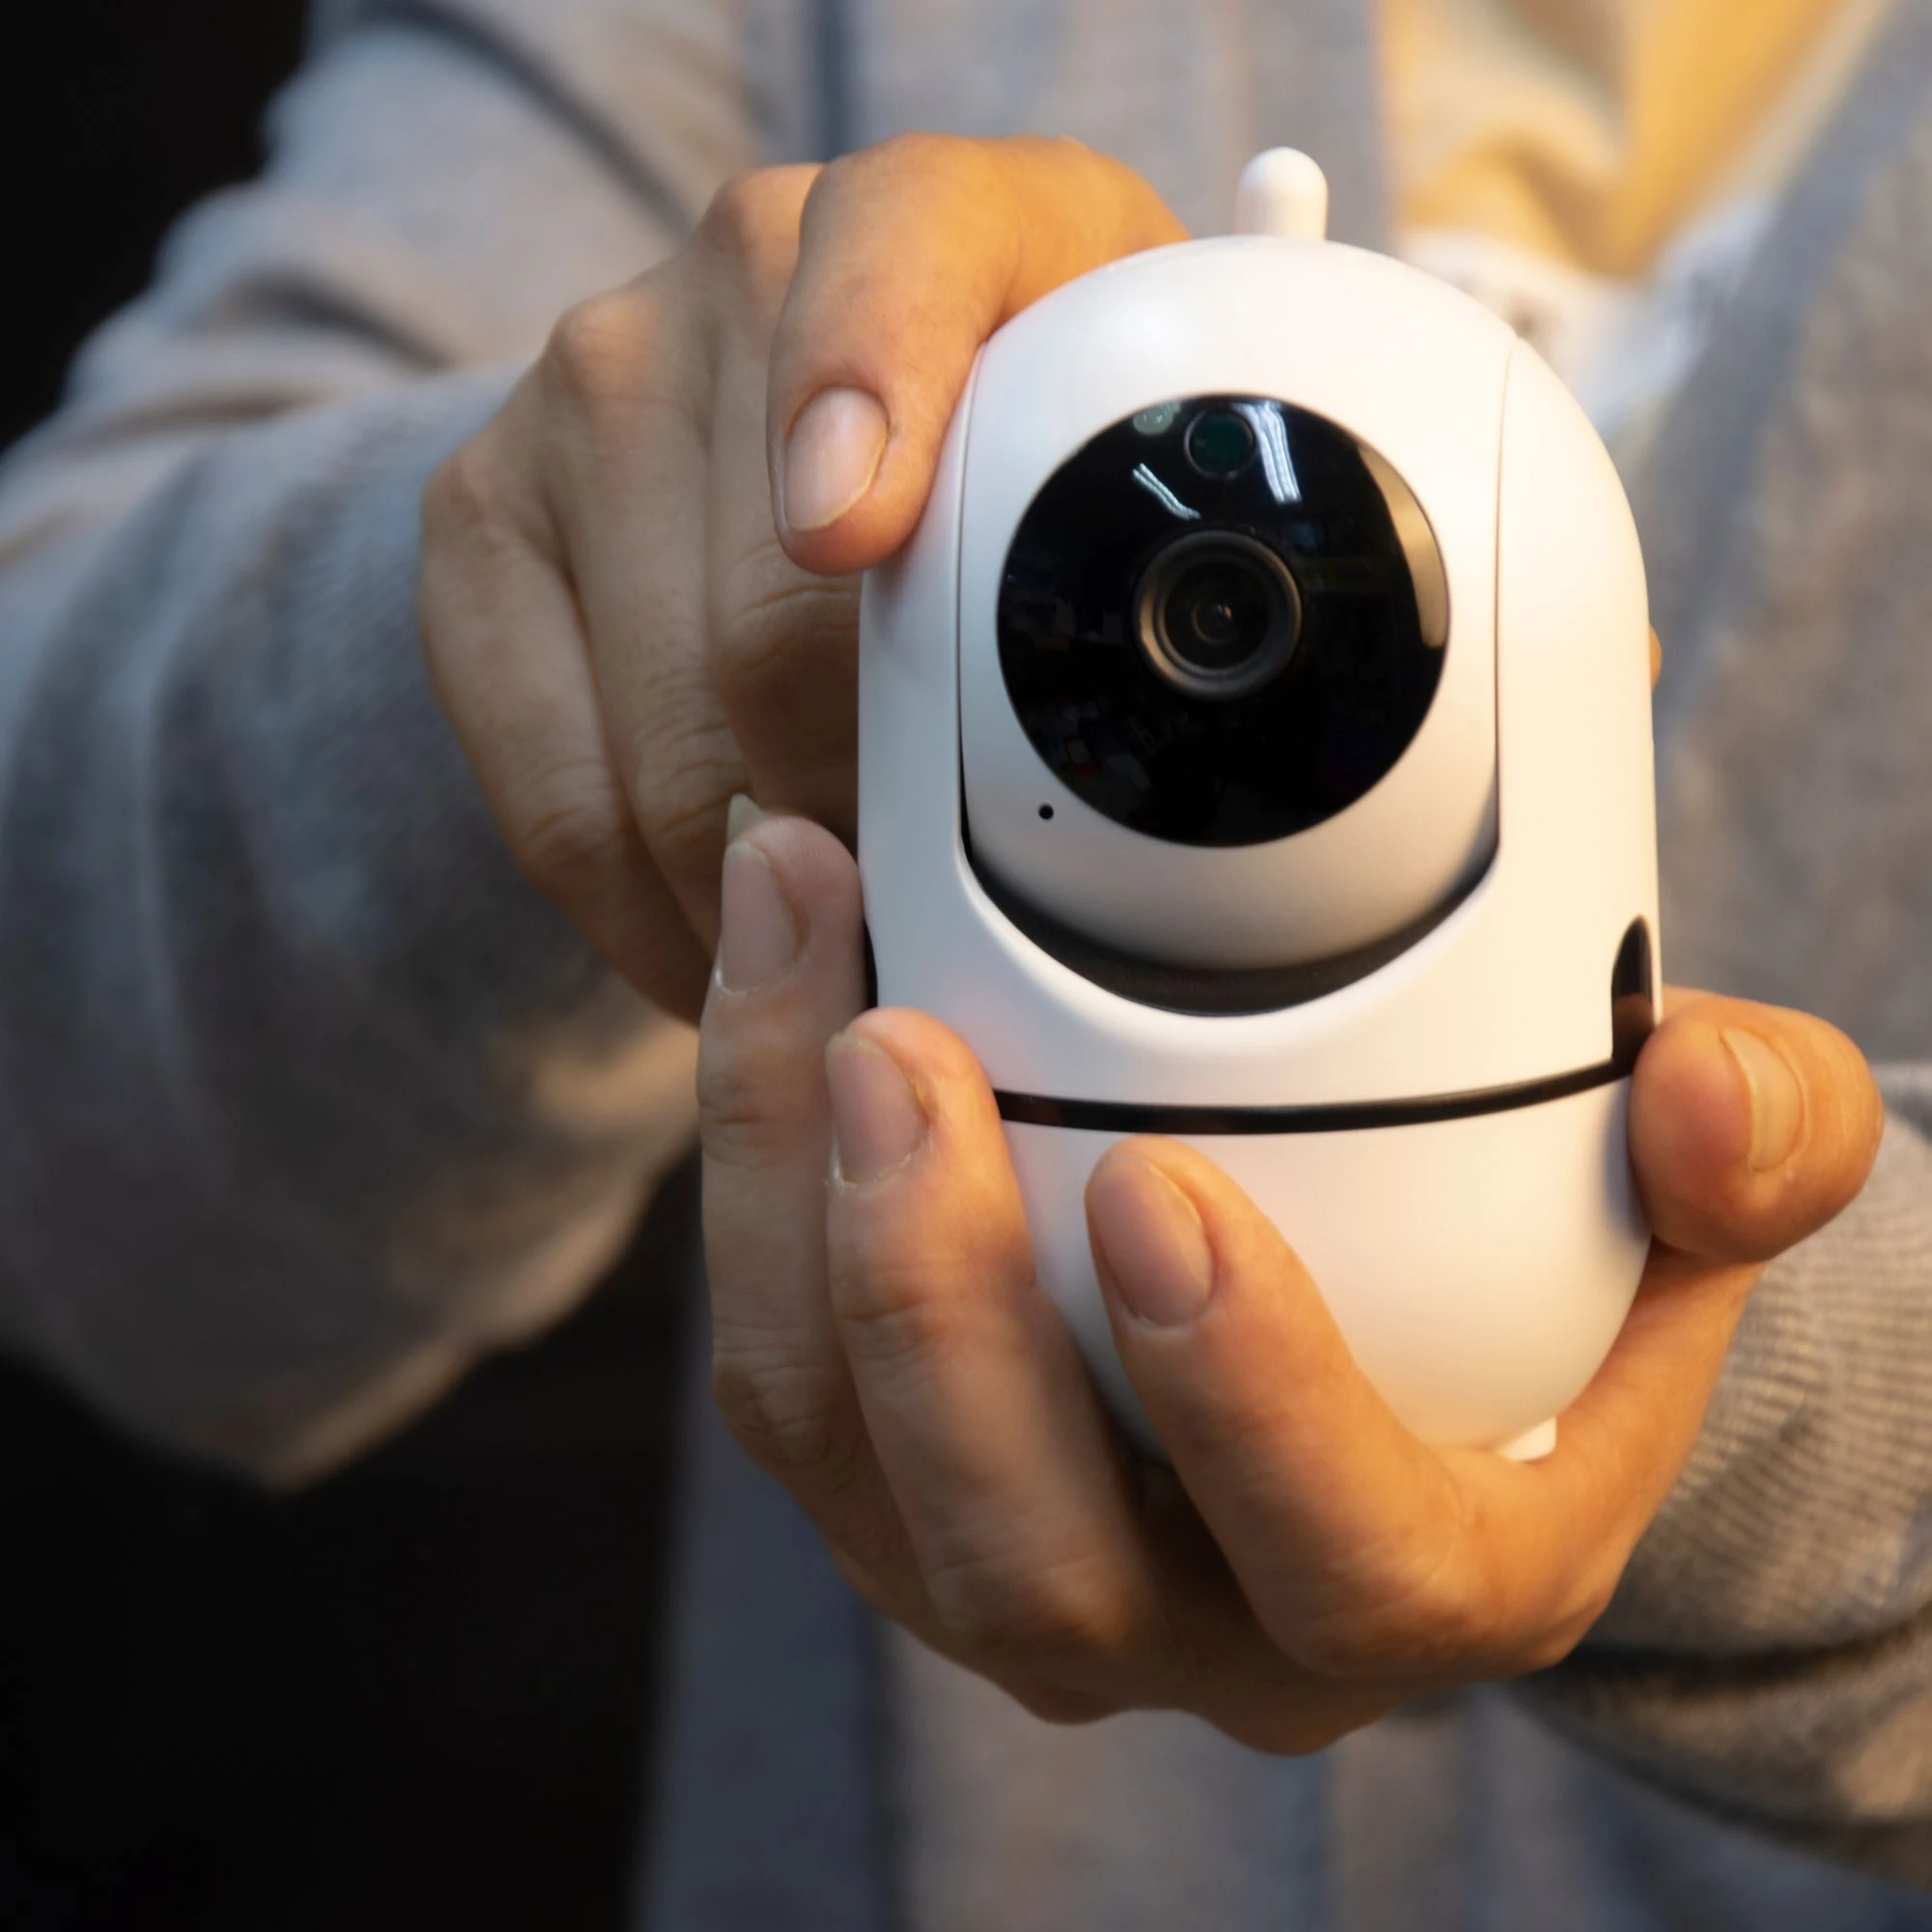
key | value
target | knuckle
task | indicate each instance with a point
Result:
(921, 150)
(1421, 1618)
(903, 1334)
(892, 1321)
(951, 164)
(740, 211)
(1067, 1612)
(983, 172)
(753, 221)
(779, 628)
(791, 1417)
(567, 831)
(680, 793)
(1065, 152)
(1594, 1596)
(599, 361)
(1108, 174)
(473, 510)
(1548, 1648)
(462, 494)
(1585, 1601)
(799, 1422)
(744, 1120)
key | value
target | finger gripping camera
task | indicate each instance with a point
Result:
(1255, 749)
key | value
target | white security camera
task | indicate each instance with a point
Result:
(1255, 749)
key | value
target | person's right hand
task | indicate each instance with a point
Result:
(638, 593)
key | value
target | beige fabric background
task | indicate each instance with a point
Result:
(1595, 130)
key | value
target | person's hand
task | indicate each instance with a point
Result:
(881, 1347)
(637, 594)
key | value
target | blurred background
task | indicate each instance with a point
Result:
(114, 117)
(418, 1695)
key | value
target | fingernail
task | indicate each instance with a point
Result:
(743, 814)
(1155, 1248)
(833, 457)
(1777, 1099)
(760, 932)
(876, 1119)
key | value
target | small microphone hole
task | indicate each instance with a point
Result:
(1047, 811)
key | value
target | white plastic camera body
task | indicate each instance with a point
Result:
(1376, 932)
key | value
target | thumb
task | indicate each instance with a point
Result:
(1751, 1127)
(911, 255)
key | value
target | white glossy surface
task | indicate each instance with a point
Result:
(1404, 365)
(1480, 1268)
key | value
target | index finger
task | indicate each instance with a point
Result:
(912, 254)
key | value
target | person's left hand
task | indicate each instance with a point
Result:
(881, 1347)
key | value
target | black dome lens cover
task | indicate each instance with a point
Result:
(1166, 691)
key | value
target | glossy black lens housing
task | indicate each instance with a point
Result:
(1216, 656)
(1218, 614)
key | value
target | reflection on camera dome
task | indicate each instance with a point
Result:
(1212, 634)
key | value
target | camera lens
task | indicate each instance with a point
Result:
(1218, 614)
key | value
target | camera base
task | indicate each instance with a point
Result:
(1532, 1445)
(1479, 1267)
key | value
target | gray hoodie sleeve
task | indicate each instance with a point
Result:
(1768, 1653)
(305, 1097)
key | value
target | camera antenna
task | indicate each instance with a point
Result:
(1283, 193)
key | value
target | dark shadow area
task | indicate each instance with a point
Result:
(413, 1696)
(417, 1695)
(114, 116)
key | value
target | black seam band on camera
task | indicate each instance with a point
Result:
(1034, 1110)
